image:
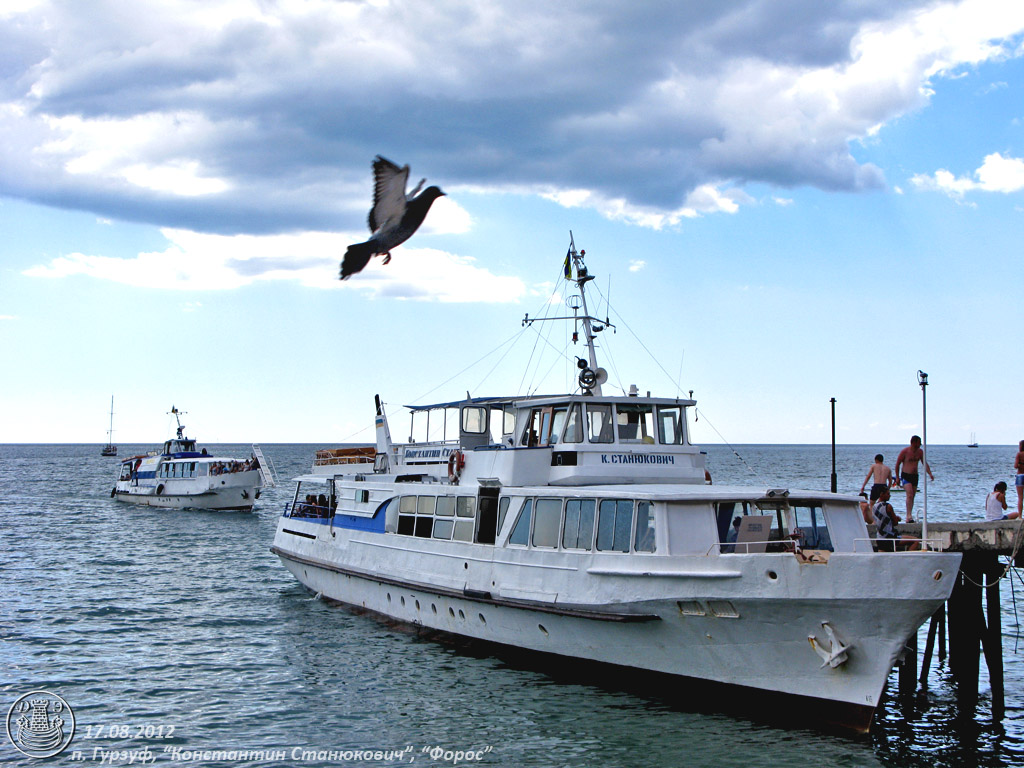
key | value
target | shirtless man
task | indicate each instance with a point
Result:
(907, 471)
(882, 475)
(1018, 481)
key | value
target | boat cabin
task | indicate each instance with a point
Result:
(180, 447)
(556, 440)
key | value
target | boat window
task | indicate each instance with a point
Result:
(407, 515)
(545, 527)
(811, 530)
(599, 423)
(670, 424)
(614, 523)
(644, 539)
(497, 422)
(520, 535)
(531, 435)
(463, 530)
(424, 526)
(545, 426)
(635, 423)
(573, 426)
(425, 505)
(770, 527)
(445, 506)
(474, 420)
(465, 506)
(578, 529)
(443, 528)
(509, 422)
(557, 422)
(406, 524)
(502, 511)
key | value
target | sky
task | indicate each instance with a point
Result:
(783, 202)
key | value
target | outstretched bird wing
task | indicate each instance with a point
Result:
(388, 194)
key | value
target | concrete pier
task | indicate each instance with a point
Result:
(973, 629)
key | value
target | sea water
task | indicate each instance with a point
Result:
(178, 638)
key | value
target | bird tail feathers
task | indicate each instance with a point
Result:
(357, 256)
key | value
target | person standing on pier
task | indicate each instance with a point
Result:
(907, 471)
(1018, 481)
(882, 478)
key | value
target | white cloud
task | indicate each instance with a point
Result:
(996, 174)
(202, 262)
(238, 116)
(8, 317)
(178, 178)
(635, 265)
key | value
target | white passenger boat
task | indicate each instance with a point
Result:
(179, 476)
(583, 526)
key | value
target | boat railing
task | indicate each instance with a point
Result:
(756, 547)
(304, 509)
(331, 456)
(901, 545)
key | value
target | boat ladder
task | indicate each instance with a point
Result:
(267, 470)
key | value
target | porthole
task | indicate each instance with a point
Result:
(462, 615)
(433, 608)
(403, 601)
(773, 575)
(417, 605)
(937, 575)
(451, 613)
(389, 597)
(542, 629)
(482, 619)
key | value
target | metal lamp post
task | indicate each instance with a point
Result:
(922, 379)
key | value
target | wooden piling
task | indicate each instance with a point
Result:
(972, 628)
(992, 637)
(929, 645)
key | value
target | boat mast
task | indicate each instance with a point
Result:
(582, 278)
(110, 432)
(591, 376)
(177, 417)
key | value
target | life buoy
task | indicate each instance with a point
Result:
(456, 462)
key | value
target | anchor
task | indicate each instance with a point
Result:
(831, 650)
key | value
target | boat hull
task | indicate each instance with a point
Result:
(236, 493)
(233, 500)
(703, 636)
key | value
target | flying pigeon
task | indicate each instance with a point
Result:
(394, 218)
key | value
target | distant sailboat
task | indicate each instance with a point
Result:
(973, 443)
(110, 449)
